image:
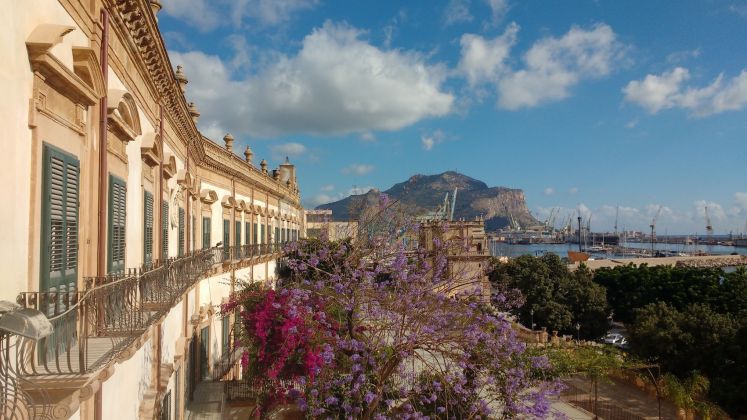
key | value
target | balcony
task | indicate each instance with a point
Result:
(107, 321)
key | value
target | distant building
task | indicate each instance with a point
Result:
(468, 258)
(319, 224)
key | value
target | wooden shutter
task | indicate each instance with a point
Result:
(277, 235)
(237, 234)
(247, 225)
(180, 251)
(205, 232)
(254, 234)
(148, 227)
(59, 230)
(117, 221)
(226, 236)
(164, 229)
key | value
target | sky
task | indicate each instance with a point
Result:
(606, 107)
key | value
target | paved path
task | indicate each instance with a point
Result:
(618, 397)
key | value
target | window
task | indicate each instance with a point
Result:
(237, 240)
(247, 225)
(277, 235)
(262, 233)
(254, 234)
(59, 230)
(165, 230)
(205, 232)
(117, 216)
(166, 407)
(226, 237)
(148, 227)
(194, 233)
(177, 393)
(225, 334)
(180, 250)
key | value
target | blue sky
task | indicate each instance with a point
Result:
(584, 105)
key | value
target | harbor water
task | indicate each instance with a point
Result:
(502, 249)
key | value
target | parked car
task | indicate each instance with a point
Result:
(612, 338)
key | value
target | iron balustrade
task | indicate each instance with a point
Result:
(93, 326)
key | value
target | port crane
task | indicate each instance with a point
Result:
(617, 213)
(653, 227)
(709, 226)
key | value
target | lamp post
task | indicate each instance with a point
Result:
(531, 313)
(578, 332)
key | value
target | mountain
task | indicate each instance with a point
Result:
(424, 193)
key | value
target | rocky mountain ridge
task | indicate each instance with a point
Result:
(423, 193)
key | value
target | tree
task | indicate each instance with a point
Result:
(554, 297)
(367, 329)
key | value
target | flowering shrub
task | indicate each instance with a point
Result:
(374, 330)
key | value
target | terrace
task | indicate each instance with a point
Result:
(106, 322)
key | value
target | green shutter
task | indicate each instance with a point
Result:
(226, 237)
(237, 234)
(247, 225)
(225, 334)
(277, 235)
(164, 229)
(180, 251)
(194, 233)
(148, 227)
(205, 232)
(59, 230)
(117, 223)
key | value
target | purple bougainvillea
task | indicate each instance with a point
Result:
(371, 328)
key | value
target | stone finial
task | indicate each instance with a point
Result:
(248, 154)
(155, 7)
(276, 174)
(193, 112)
(181, 78)
(263, 165)
(228, 139)
(287, 161)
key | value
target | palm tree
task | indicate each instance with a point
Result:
(688, 395)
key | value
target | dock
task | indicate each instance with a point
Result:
(711, 261)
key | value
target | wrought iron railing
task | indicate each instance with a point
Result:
(91, 327)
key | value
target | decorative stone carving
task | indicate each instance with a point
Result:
(193, 112)
(124, 119)
(184, 178)
(228, 139)
(248, 155)
(181, 79)
(169, 165)
(150, 149)
(263, 165)
(208, 196)
(228, 202)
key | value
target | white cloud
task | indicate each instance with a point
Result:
(367, 136)
(658, 92)
(484, 60)
(357, 169)
(325, 198)
(206, 15)
(573, 190)
(554, 65)
(336, 84)
(202, 14)
(457, 11)
(498, 9)
(740, 199)
(680, 56)
(549, 191)
(427, 143)
(715, 211)
(739, 9)
(328, 188)
(280, 151)
(431, 139)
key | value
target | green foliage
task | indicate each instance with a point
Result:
(558, 297)
(687, 320)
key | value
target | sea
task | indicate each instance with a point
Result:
(502, 249)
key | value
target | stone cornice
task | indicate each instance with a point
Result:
(135, 19)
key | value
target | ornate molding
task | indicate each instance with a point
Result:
(208, 196)
(150, 149)
(52, 70)
(124, 119)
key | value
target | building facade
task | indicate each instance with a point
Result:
(319, 223)
(127, 227)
